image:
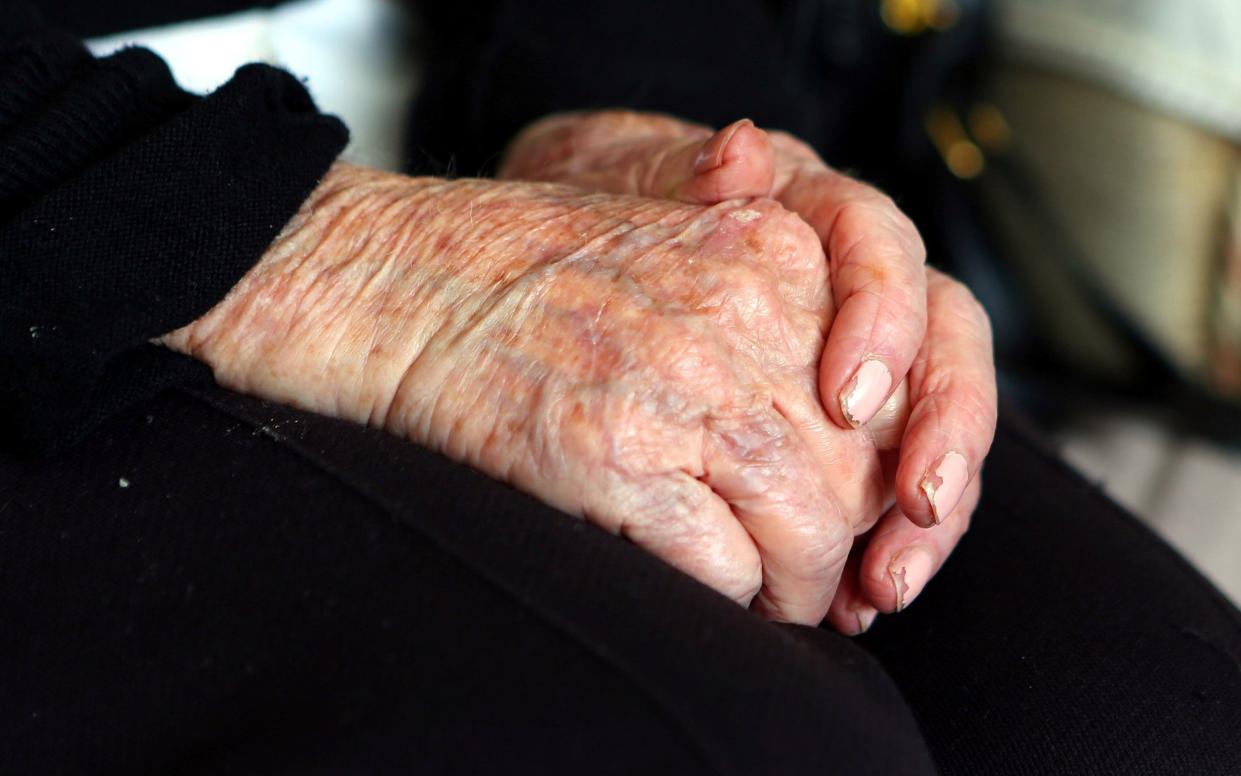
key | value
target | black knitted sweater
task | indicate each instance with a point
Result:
(128, 207)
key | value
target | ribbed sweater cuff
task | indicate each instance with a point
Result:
(128, 208)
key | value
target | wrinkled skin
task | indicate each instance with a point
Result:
(920, 338)
(650, 365)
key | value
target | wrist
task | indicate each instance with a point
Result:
(345, 294)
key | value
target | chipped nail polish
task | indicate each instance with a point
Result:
(865, 618)
(944, 483)
(910, 570)
(866, 392)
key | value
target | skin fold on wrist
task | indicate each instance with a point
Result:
(293, 328)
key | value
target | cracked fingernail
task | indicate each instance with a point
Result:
(865, 618)
(911, 569)
(944, 483)
(866, 392)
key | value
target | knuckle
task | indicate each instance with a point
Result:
(782, 236)
(749, 281)
(954, 292)
(760, 305)
(970, 306)
(855, 221)
(677, 520)
(966, 306)
(904, 227)
(682, 369)
(901, 309)
(825, 551)
(959, 401)
(744, 581)
(753, 436)
(748, 305)
(798, 238)
(872, 227)
(875, 208)
(684, 354)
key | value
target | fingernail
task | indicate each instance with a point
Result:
(712, 154)
(866, 392)
(944, 483)
(910, 570)
(865, 618)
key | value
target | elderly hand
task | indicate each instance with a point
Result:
(903, 332)
(649, 365)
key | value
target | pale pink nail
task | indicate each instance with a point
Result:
(865, 618)
(911, 569)
(866, 392)
(944, 484)
(712, 154)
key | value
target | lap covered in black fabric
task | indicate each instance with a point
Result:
(213, 584)
(1064, 637)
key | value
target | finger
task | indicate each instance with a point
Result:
(555, 145)
(878, 281)
(901, 558)
(699, 167)
(760, 466)
(735, 162)
(683, 522)
(858, 479)
(887, 427)
(851, 612)
(695, 165)
(953, 393)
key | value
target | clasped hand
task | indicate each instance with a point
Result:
(709, 343)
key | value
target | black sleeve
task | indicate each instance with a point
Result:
(128, 208)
